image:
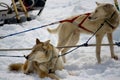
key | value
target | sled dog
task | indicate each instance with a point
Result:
(69, 30)
(43, 60)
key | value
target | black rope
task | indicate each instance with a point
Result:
(73, 49)
(95, 33)
(40, 11)
(11, 56)
(13, 34)
(83, 45)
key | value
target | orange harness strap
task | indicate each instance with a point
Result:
(71, 21)
(80, 24)
(82, 27)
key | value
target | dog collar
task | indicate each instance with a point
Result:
(108, 22)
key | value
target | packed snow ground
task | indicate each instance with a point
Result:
(81, 64)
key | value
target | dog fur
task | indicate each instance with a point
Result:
(69, 33)
(43, 60)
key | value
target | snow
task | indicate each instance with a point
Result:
(81, 64)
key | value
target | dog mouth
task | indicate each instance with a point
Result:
(28, 58)
(92, 18)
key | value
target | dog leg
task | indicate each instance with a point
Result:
(38, 70)
(73, 40)
(61, 42)
(27, 68)
(110, 39)
(99, 38)
(43, 74)
(53, 76)
(63, 39)
(64, 33)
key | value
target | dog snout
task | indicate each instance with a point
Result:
(26, 57)
(89, 17)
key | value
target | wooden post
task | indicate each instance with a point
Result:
(25, 11)
(16, 11)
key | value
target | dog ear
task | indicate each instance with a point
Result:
(97, 3)
(38, 41)
(108, 6)
(47, 42)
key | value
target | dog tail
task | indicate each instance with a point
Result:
(53, 31)
(15, 67)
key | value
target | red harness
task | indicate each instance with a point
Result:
(80, 24)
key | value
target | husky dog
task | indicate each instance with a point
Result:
(69, 30)
(43, 60)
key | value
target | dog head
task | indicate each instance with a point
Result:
(41, 52)
(103, 11)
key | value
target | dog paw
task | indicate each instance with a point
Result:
(99, 62)
(115, 57)
(27, 72)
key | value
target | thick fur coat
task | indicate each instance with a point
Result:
(69, 32)
(43, 60)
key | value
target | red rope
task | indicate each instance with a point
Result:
(80, 25)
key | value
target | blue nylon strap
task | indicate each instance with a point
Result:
(32, 29)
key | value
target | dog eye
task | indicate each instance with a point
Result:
(96, 11)
(33, 51)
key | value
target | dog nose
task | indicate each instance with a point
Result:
(26, 57)
(89, 17)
